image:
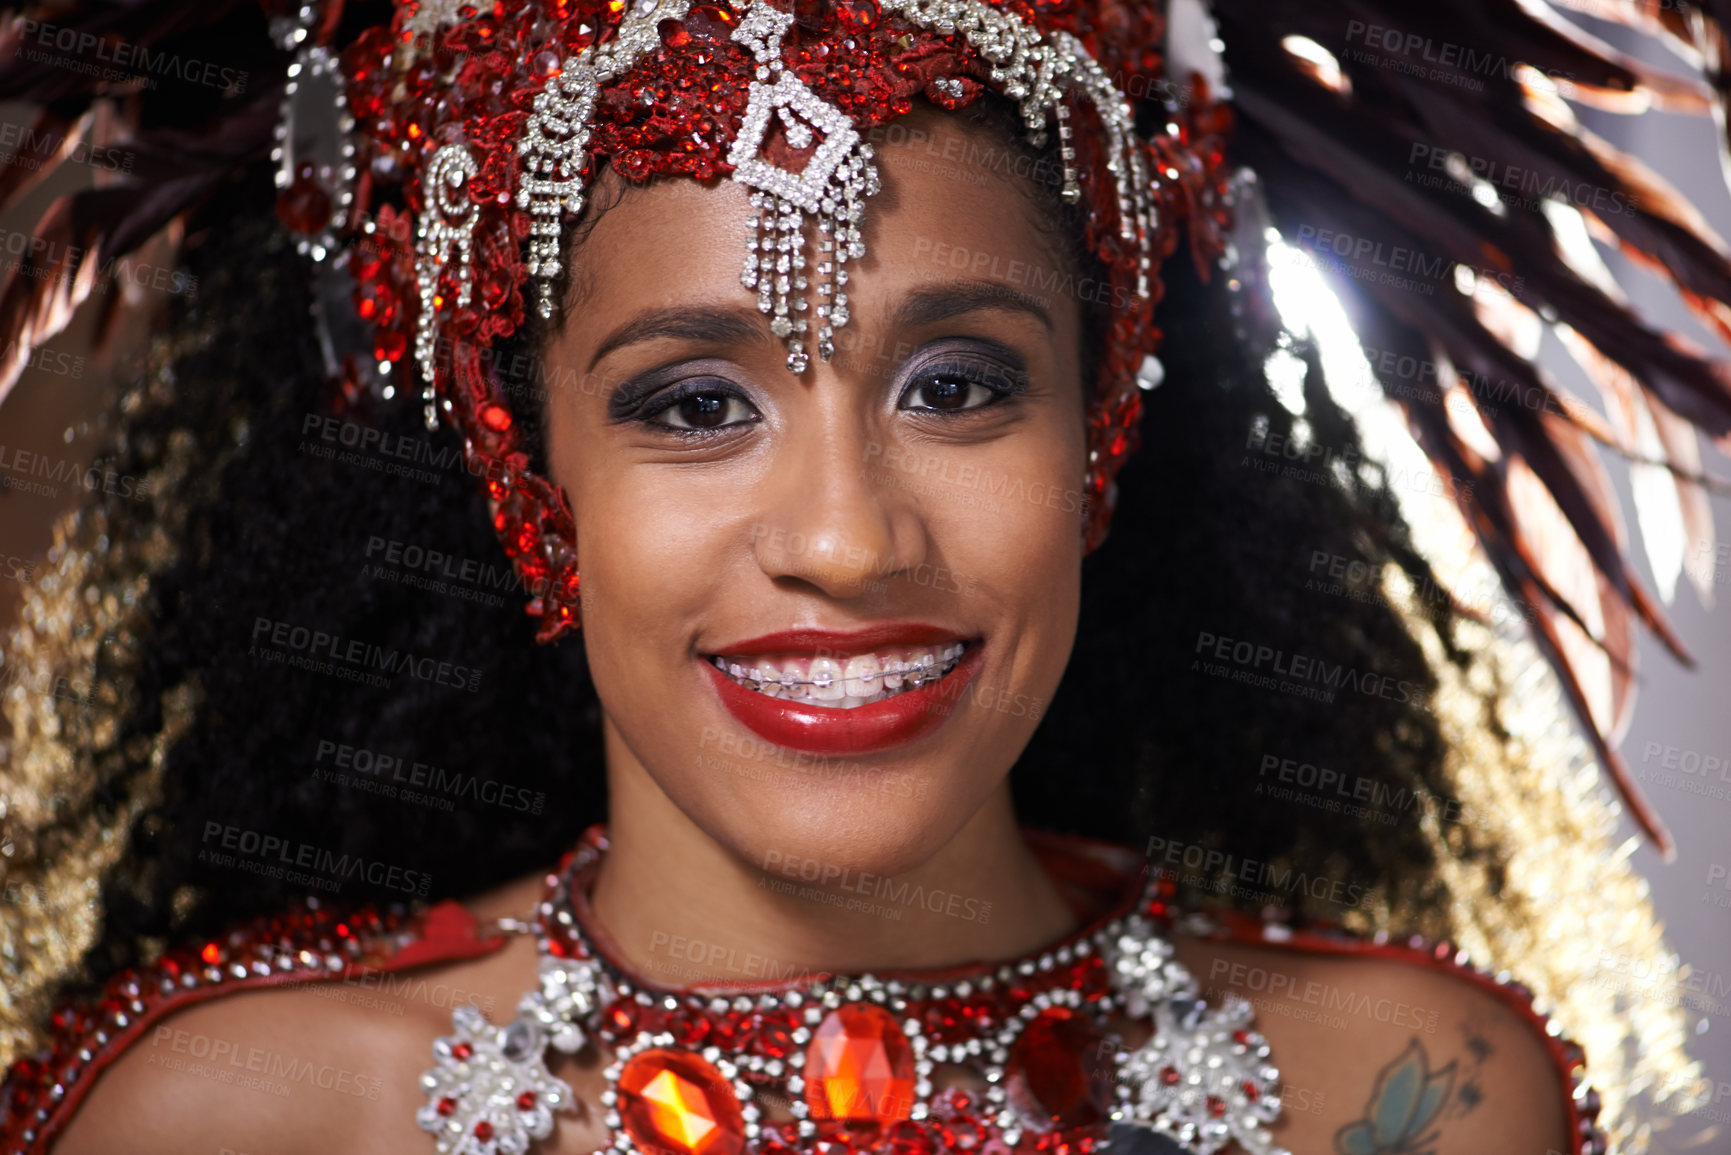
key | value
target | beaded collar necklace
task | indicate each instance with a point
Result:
(843, 1064)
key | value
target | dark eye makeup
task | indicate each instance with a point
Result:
(701, 405)
(947, 380)
(963, 382)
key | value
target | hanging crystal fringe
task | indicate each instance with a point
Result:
(775, 267)
(775, 264)
(849, 246)
(445, 229)
(556, 136)
(830, 189)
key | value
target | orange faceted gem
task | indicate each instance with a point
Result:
(859, 1067)
(674, 1103)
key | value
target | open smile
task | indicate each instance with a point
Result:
(841, 695)
(843, 683)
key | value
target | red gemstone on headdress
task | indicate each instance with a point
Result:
(447, 1105)
(673, 33)
(578, 35)
(304, 205)
(859, 1067)
(815, 15)
(675, 1103)
(526, 1101)
(495, 290)
(858, 17)
(462, 1051)
(389, 345)
(710, 22)
(495, 417)
(1057, 1077)
(483, 1130)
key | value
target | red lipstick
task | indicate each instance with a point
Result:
(824, 730)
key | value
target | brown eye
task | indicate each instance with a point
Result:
(959, 387)
(946, 393)
(701, 408)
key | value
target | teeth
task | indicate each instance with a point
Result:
(826, 680)
(863, 676)
(856, 681)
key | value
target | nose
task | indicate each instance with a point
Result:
(832, 521)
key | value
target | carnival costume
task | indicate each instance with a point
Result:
(852, 1056)
(431, 165)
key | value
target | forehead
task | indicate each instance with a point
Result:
(957, 202)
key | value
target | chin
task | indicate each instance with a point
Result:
(883, 812)
(825, 833)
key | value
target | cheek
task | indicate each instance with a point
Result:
(642, 536)
(1012, 530)
(1009, 528)
(650, 548)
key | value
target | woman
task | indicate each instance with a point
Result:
(825, 549)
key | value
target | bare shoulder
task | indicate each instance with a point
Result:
(1383, 1055)
(286, 1070)
(270, 1072)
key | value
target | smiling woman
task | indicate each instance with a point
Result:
(746, 563)
(866, 797)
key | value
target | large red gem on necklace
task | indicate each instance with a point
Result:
(859, 1067)
(674, 1103)
(1058, 1075)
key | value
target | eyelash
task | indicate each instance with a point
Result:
(696, 387)
(1001, 381)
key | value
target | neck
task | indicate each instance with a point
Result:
(684, 908)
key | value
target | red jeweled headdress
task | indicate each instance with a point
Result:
(495, 119)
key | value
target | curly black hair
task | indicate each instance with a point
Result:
(479, 759)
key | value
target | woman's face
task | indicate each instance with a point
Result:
(912, 505)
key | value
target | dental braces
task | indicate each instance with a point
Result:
(918, 672)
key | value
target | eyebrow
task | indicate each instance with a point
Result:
(942, 302)
(744, 325)
(741, 325)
